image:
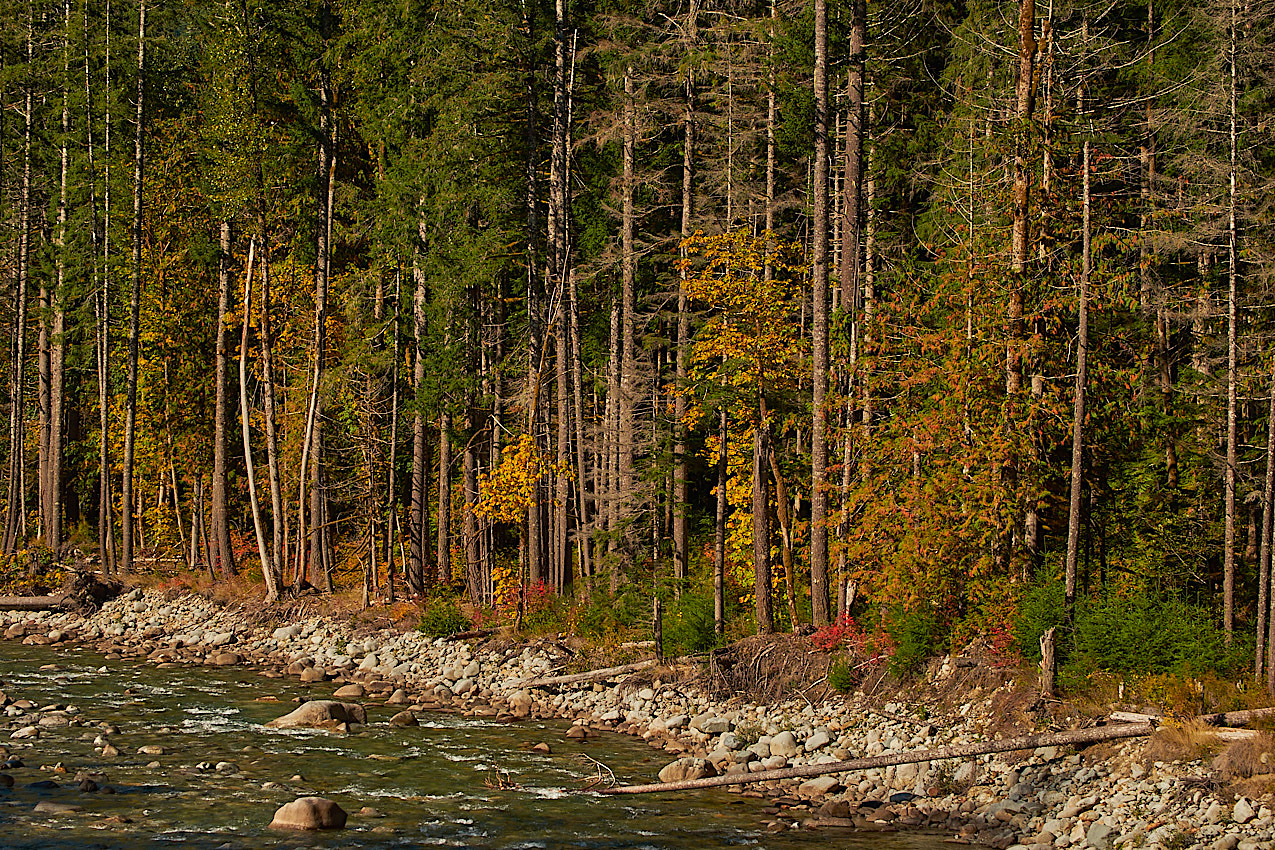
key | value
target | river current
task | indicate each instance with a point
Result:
(452, 781)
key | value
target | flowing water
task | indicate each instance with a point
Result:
(445, 783)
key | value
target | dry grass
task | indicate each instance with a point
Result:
(1182, 742)
(1247, 758)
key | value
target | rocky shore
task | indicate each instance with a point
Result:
(1107, 796)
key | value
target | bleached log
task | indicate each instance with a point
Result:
(1025, 742)
(589, 676)
(32, 603)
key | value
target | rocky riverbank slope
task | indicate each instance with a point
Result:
(1164, 793)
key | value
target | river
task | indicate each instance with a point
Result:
(450, 782)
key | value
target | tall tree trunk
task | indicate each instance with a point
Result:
(681, 463)
(1078, 411)
(628, 354)
(1266, 603)
(761, 526)
(819, 327)
(57, 341)
(101, 300)
(221, 414)
(444, 553)
(15, 513)
(719, 537)
(267, 563)
(278, 511)
(134, 301)
(320, 565)
(1232, 344)
(418, 520)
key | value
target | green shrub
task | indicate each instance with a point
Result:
(841, 677)
(688, 625)
(442, 617)
(1135, 632)
(916, 637)
(1042, 608)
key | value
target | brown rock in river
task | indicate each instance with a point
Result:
(309, 813)
(321, 714)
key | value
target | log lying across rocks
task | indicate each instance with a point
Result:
(588, 676)
(32, 603)
(1025, 742)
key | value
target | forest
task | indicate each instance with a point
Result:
(930, 323)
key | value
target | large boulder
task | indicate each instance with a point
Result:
(687, 768)
(321, 714)
(309, 813)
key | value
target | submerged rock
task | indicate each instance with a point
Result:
(309, 813)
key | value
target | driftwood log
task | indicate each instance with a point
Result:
(32, 603)
(588, 676)
(1229, 718)
(1025, 742)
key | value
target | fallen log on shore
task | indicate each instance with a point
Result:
(1025, 742)
(588, 676)
(32, 603)
(1229, 718)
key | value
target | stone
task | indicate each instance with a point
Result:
(542, 748)
(309, 813)
(1226, 842)
(224, 659)
(819, 786)
(1243, 811)
(687, 768)
(784, 744)
(151, 750)
(26, 732)
(314, 674)
(50, 808)
(1100, 835)
(404, 718)
(321, 714)
(399, 697)
(578, 733)
(6, 781)
(817, 741)
(286, 632)
(351, 691)
(710, 724)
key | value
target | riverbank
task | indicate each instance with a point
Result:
(1159, 793)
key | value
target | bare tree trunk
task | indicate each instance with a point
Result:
(628, 342)
(391, 483)
(418, 521)
(134, 301)
(785, 533)
(819, 327)
(681, 466)
(719, 541)
(584, 505)
(57, 342)
(278, 511)
(102, 312)
(1078, 412)
(221, 414)
(267, 564)
(15, 514)
(1232, 347)
(761, 525)
(444, 553)
(475, 578)
(1266, 604)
